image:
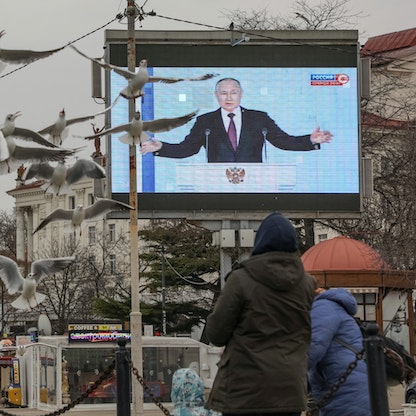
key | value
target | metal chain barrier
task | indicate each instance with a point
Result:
(81, 398)
(311, 407)
(147, 389)
(334, 388)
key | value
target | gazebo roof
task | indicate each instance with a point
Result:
(342, 253)
(345, 262)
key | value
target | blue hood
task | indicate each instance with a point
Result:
(276, 233)
(342, 297)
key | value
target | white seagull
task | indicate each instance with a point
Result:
(9, 129)
(18, 154)
(60, 177)
(137, 80)
(58, 131)
(79, 214)
(135, 130)
(16, 283)
(22, 56)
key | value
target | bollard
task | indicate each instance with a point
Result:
(123, 379)
(377, 383)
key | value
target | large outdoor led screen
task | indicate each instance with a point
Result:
(299, 90)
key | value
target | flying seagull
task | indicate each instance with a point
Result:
(18, 154)
(60, 177)
(137, 80)
(135, 130)
(79, 214)
(58, 131)
(22, 56)
(16, 283)
(9, 129)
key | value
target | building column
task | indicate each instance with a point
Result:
(29, 235)
(20, 235)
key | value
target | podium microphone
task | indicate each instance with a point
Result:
(264, 133)
(207, 133)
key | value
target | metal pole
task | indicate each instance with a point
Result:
(123, 380)
(135, 315)
(225, 257)
(377, 383)
(163, 293)
(2, 308)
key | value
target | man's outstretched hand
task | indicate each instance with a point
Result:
(318, 136)
(150, 146)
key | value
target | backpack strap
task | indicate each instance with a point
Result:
(346, 345)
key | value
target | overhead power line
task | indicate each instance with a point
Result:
(118, 17)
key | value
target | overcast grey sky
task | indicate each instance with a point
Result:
(43, 88)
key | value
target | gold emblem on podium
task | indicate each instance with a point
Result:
(235, 175)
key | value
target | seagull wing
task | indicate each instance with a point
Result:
(30, 135)
(38, 170)
(56, 215)
(82, 168)
(166, 124)
(47, 130)
(10, 275)
(171, 80)
(22, 56)
(4, 149)
(123, 72)
(116, 129)
(79, 119)
(120, 71)
(44, 267)
(103, 206)
(40, 154)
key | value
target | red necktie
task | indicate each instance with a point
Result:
(232, 131)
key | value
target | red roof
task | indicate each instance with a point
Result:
(390, 42)
(31, 185)
(342, 253)
(374, 120)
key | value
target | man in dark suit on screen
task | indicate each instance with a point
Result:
(233, 133)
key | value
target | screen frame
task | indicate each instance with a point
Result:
(265, 48)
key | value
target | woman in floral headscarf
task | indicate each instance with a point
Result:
(188, 395)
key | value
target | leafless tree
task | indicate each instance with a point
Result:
(328, 14)
(101, 269)
(8, 234)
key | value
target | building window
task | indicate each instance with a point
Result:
(112, 263)
(322, 237)
(71, 201)
(112, 232)
(91, 235)
(90, 199)
(366, 306)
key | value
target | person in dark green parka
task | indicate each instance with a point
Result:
(262, 317)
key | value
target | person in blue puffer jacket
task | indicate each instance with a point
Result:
(332, 317)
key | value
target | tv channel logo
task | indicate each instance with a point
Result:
(329, 79)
